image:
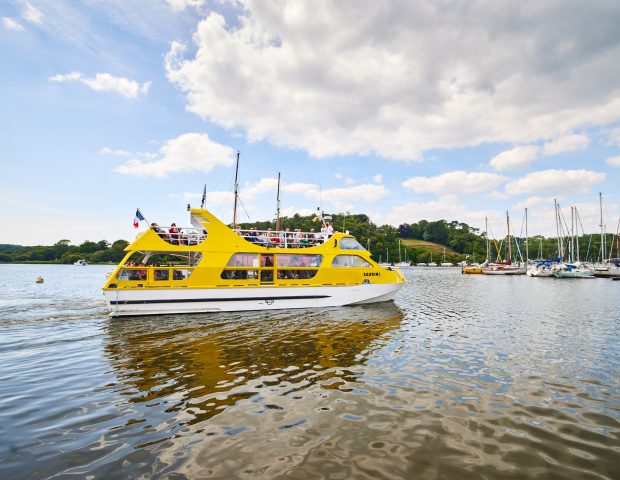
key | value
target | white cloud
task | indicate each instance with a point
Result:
(296, 91)
(180, 5)
(32, 14)
(106, 82)
(555, 182)
(115, 153)
(190, 152)
(455, 182)
(568, 143)
(11, 24)
(378, 178)
(614, 137)
(517, 157)
(613, 161)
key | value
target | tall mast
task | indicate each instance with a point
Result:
(527, 242)
(557, 227)
(509, 249)
(278, 205)
(236, 193)
(399, 259)
(572, 234)
(600, 198)
(577, 234)
(486, 234)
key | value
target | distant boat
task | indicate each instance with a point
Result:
(505, 268)
(39, 280)
(609, 269)
(81, 263)
(443, 260)
(400, 263)
(474, 268)
(574, 270)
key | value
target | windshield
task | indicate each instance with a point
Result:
(349, 243)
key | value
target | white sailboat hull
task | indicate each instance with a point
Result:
(200, 300)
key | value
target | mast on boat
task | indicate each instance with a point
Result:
(278, 205)
(486, 234)
(509, 247)
(603, 247)
(527, 243)
(236, 193)
(557, 227)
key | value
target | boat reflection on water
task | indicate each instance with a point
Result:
(178, 374)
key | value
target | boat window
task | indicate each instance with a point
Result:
(266, 260)
(296, 274)
(247, 274)
(181, 273)
(243, 260)
(161, 275)
(350, 261)
(349, 243)
(131, 274)
(288, 260)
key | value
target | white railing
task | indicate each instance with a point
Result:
(181, 236)
(283, 239)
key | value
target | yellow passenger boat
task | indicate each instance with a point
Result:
(220, 269)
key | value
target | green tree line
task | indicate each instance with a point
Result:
(63, 252)
(381, 240)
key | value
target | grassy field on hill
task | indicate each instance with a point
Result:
(430, 246)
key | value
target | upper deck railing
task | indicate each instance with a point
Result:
(187, 236)
(180, 236)
(283, 238)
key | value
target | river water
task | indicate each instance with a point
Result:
(462, 376)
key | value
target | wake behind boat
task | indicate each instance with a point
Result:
(218, 269)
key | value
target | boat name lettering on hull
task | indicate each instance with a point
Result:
(372, 274)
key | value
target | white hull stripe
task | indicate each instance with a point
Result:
(231, 299)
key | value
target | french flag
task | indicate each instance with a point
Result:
(139, 217)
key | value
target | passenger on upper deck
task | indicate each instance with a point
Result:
(175, 234)
(330, 230)
(158, 230)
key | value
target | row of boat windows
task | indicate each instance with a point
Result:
(286, 260)
(290, 266)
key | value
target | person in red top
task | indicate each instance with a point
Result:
(175, 234)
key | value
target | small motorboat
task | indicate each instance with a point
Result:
(39, 280)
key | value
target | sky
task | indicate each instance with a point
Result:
(454, 110)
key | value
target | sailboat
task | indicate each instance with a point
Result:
(505, 268)
(575, 268)
(400, 263)
(476, 268)
(608, 267)
(443, 260)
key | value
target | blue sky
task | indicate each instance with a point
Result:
(401, 110)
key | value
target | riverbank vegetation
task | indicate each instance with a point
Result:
(424, 241)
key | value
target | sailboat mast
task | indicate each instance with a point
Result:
(236, 193)
(278, 205)
(527, 242)
(509, 246)
(486, 234)
(399, 259)
(557, 227)
(600, 199)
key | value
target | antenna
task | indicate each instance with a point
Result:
(236, 193)
(278, 205)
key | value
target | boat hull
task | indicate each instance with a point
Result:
(132, 302)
